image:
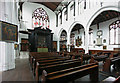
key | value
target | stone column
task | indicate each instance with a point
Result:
(63, 17)
(76, 8)
(68, 41)
(59, 21)
(86, 41)
(58, 45)
(68, 12)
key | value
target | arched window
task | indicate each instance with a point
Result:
(40, 18)
(115, 32)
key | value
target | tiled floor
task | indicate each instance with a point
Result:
(22, 72)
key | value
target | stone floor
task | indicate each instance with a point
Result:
(0, 77)
(23, 73)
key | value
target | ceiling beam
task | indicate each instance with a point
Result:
(49, 5)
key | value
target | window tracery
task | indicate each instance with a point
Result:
(114, 32)
(40, 18)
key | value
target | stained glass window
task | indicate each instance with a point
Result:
(40, 18)
(115, 32)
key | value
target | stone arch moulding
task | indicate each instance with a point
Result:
(114, 8)
(73, 24)
(60, 32)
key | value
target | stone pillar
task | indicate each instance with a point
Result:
(59, 21)
(76, 8)
(58, 45)
(56, 20)
(63, 17)
(68, 42)
(86, 41)
(7, 56)
(87, 4)
(68, 12)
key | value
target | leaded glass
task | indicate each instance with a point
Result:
(40, 18)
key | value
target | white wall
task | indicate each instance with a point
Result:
(86, 17)
(104, 26)
(29, 8)
(8, 13)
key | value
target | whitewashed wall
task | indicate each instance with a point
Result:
(104, 26)
(8, 13)
(29, 8)
(83, 17)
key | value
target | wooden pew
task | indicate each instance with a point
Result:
(75, 55)
(34, 59)
(56, 67)
(100, 57)
(33, 62)
(107, 53)
(111, 61)
(34, 56)
(85, 58)
(58, 62)
(114, 55)
(71, 74)
(42, 54)
(47, 61)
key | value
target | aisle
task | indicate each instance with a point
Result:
(22, 72)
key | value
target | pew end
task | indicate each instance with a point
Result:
(111, 79)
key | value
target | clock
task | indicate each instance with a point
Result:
(99, 33)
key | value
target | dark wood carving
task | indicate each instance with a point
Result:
(40, 38)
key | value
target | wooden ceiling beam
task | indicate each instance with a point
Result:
(50, 5)
(56, 3)
(103, 15)
(111, 14)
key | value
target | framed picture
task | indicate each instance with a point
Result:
(8, 32)
(16, 46)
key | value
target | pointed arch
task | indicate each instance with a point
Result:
(114, 8)
(40, 18)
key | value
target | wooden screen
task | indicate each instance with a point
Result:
(24, 45)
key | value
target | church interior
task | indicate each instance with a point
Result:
(54, 41)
